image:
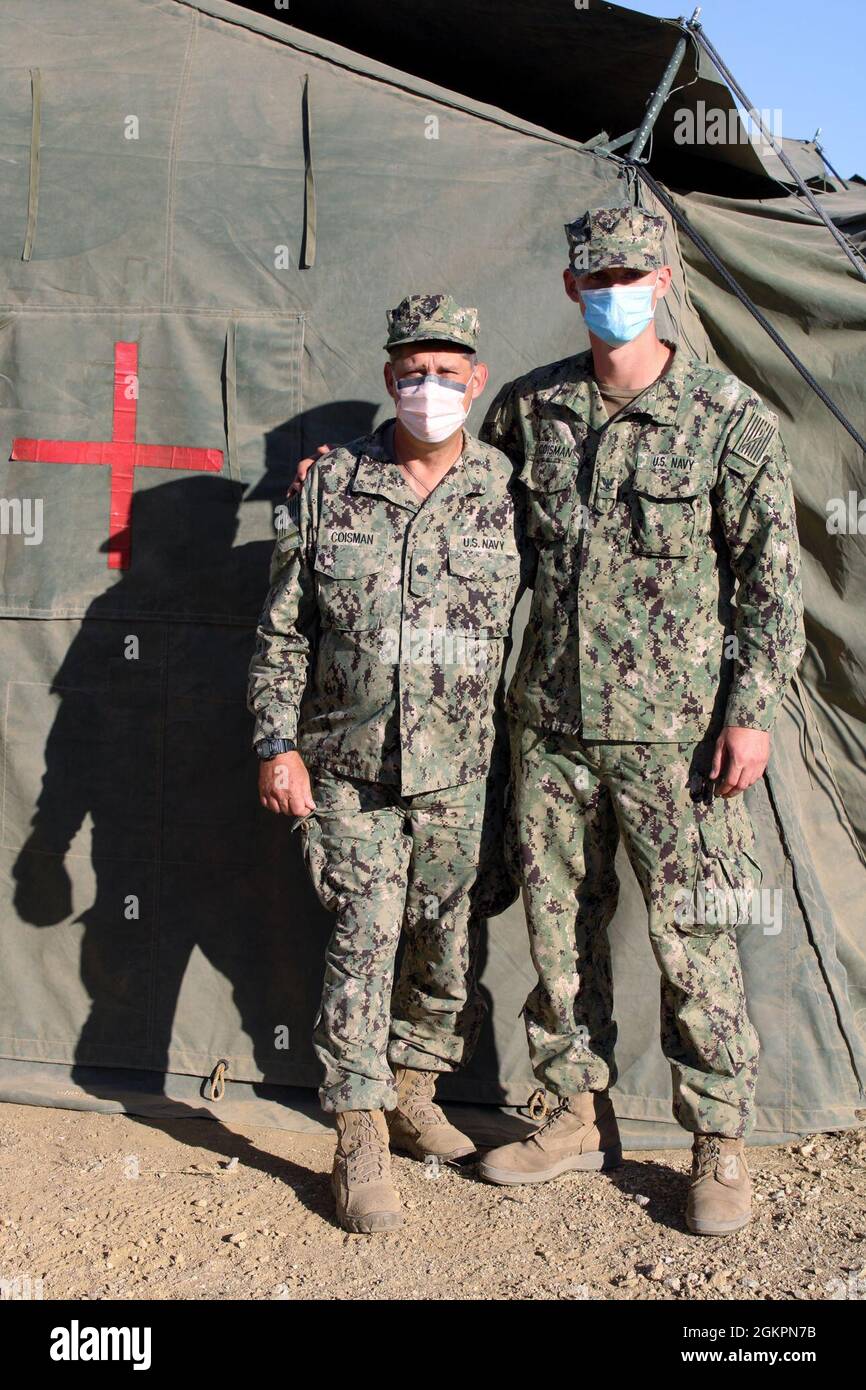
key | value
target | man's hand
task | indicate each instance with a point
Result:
(304, 467)
(284, 786)
(740, 759)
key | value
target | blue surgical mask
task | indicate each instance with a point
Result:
(618, 314)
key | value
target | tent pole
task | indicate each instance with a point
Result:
(707, 251)
(718, 62)
(656, 101)
(823, 153)
(825, 161)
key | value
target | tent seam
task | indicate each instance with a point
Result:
(807, 922)
(33, 189)
(172, 158)
(389, 78)
(159, 830)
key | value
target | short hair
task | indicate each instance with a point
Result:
(441, 344)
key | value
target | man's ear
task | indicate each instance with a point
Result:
(569, 280)
(389, 379)
(479, 380)
(664, 282)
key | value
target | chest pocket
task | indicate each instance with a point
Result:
(551, 484)
(348, 586)
(481, 591)
(669, 505)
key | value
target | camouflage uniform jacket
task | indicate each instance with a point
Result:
(382, 641)
(642, 523)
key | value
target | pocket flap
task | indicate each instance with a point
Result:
(546, 474)
(668, 476)
(726, 836)
(348, 561)
(487, 566)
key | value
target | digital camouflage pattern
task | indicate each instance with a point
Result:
(385, 864)
(643, 523)
(693, 860)
(398, 611)
(381, 649)
(625, 237)
(432, 318)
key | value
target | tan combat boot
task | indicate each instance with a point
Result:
(579, 1135)
(418, 1126)
(720, 1196)
(366, 1198)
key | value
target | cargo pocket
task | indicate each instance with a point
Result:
(669, 506)
(726, 872)
(482, 586)
(315, 859)
(348, 586)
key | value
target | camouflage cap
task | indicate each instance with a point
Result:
(432, 317)
(622, 236)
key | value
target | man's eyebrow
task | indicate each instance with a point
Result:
(419, 371)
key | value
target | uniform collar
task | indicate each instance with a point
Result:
(378, 475)
(578, 391)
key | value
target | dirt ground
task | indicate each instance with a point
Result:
(114, 1207)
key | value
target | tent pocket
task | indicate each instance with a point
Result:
(666, 505)
(348, 586)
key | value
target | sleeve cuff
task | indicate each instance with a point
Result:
(751, 709)
(284, 727)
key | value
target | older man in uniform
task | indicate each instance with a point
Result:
(665, 624)
(376, 687)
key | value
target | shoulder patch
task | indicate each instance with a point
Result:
(756, 437)
(293, 508)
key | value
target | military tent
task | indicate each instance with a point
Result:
(218, 207)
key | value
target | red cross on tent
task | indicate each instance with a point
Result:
(120, 454)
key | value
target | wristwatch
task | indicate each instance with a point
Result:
(268, 748)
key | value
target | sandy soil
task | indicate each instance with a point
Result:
(110, 1206)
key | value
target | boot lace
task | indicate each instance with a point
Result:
(421, 1107)
(366, 1160)
(706, 1154)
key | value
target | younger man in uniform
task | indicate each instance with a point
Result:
(666, 623)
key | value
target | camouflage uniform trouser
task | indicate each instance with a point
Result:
(572, 801)
(426, 866)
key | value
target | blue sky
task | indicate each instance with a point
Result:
(808, 59)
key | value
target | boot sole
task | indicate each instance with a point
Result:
(596, 1162)
(373, 1223)
(717, 1228)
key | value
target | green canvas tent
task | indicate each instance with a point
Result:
(203, 216)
